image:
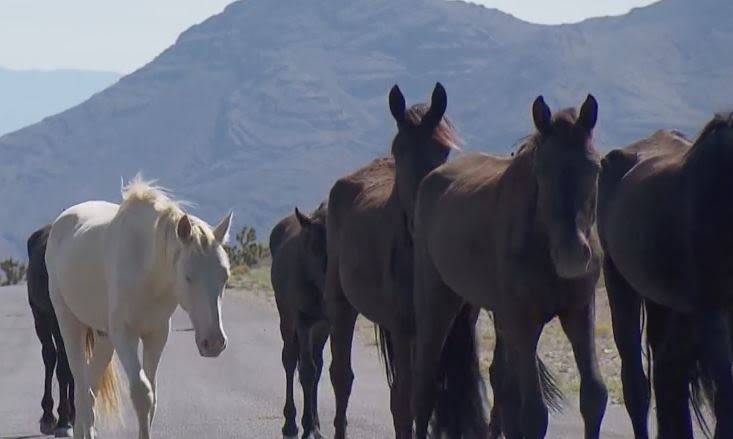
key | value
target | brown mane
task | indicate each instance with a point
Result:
(445, 133)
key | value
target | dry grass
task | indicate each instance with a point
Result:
(555, 350)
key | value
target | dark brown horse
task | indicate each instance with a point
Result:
(511, 235)
(664, 218)
(52, 345)
(370, 251)
(298, 248)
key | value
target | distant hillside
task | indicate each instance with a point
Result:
(261, 107)
(27, 96)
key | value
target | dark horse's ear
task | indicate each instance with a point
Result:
(588, 113)
(438, 104)
(397, 104)
(541, 115)
(304, 220)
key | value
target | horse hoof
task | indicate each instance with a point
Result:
(285, 436)
(47, 425)
(63, 432)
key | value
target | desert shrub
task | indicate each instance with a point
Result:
(13, 271)
(247, 250)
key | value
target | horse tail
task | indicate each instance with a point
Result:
(551, 392)
(107, 395)
(461, 404)
(702, 386)
(386, 352)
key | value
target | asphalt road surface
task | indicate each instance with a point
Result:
(237, 395)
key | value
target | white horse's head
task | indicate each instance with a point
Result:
(202, 270)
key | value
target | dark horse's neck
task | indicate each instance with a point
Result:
(708, 181)
(518, 184)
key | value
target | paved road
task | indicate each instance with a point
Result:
(238, 395)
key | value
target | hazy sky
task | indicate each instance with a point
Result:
(123, 35)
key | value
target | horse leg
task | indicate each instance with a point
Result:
(74, 335)
(436, 309)
(400, 392)
(319, 335)
(522, 336)
(290, 361)
(48, 353)
(66, 386)
(669, 336)
(716, 358)
(505, 415)
(625, 306)
(100, 359)
(343, 318)
(153, 344)
(126, 344)
(578, 325)
(307, 374)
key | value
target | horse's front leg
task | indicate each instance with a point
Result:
(400, 399)
(141, 391)
(522, 335)
(153, 344)
(578, 324)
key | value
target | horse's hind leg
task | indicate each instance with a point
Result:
(669, 336)
(290, 362)
(319, 336)
(578, 324)
(48, 352)
(307, 373)
(716, 359)
(66, 386)
(73, 333)
(625, 305)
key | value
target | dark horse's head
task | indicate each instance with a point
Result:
(423, 141)
(566, 167)
(313, 243)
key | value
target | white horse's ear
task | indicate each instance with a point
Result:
(221, 231)
(184, 228)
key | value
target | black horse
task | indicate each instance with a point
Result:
(298, 247)
(52, 345)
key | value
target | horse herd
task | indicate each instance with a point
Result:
(419, 245)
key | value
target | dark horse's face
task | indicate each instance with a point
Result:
(313, 229)
(422, 143)
(566, 166)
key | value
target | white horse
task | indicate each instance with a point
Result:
(116, 274)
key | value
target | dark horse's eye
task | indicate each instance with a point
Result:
(188, 278)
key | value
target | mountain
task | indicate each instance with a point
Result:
(27, 96)
(261, 107)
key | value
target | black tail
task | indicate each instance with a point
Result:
(551, 392)
(386, 352)
(461, 404)
(702, 393)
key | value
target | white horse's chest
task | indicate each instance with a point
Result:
(146, 310)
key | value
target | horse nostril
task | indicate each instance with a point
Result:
(205, 344)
